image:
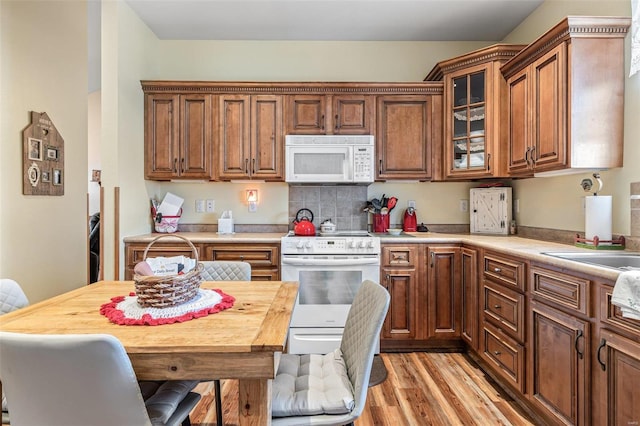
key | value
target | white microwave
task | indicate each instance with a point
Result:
(329, 159)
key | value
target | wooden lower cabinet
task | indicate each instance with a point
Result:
(405, 323)
(559, 367)
(443, 292)
(504, 354)
(618, 364)
(264, 258)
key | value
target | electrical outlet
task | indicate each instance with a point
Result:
(211, 206)
(411, 203)
(199, 206)
(464, 205)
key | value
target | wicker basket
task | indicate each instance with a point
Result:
(169, 290)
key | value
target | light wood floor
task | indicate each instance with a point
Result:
(421, 389)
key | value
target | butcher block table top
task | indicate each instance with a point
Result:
(243, 342)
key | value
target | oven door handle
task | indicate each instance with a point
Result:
(331, 262)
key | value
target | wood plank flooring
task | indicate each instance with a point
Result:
(420, 389)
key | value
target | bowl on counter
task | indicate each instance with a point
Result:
(394, 231)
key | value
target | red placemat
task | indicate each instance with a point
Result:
(124, 310)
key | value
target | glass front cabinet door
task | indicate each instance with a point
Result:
(475, 114)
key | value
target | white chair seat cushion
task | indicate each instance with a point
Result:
(165, 398)
(307, 385)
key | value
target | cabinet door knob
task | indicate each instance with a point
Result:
(497, 270)
(497, 306)
(497, 353)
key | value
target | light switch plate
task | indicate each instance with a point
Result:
(200, 206)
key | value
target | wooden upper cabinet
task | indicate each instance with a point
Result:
(250, 138)
(405, 133)
(329, 114)
(475, 111)
(557, 119)
(178, 136)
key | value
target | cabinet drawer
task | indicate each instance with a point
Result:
(257, 256)
(399, 256)
(505, 355)
(509, 272)
(505, 307)
(561, 289)
(612, 315)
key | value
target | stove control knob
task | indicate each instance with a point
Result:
(352, 244)
(308, 245)
(371, 244)
(363, 243)
(300, 244)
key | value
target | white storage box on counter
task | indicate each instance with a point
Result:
(490, 210)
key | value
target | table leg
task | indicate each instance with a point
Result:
(254, 402)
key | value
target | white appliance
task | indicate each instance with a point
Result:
(491, 210)
(330, 271)
(329, 158)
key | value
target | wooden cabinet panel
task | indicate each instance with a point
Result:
(352, 114)
(505, 355)
(401, 321)
(162, 132)
(505, 307)
(404, 137)
(519, 123)
(504, 270)
(549, 138)
(619, 363)
(611, 315)
(306, 114)
(558, 367)
(469, 305)
(395, 256)
(263, 258)
(443, 292)
(250, 139)
(178, 136)
(562, 289)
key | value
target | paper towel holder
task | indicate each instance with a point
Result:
(587, 184)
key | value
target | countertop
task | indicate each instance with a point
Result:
(512, 245)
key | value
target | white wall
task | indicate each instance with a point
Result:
(43, 46)
(94, 125)
(557, 202)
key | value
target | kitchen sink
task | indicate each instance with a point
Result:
(608, 259)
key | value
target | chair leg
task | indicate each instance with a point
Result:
(218, 402)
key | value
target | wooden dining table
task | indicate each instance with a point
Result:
(243, 342)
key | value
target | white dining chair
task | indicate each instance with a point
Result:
(331, 389)
(84, 379)
(217, 270)
(11, 298)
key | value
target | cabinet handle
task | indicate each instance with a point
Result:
(497, 353)
(337, 126)
(253, 166)
(380, 168)
(246, 166)
(526, 156)
(433, 258)
(387, 278)
(488, 162)
(497, 307)
(182, 165)
(603, 343)
(497, 270)
(322, 122)
(533, 156)
(575, 344)
(241, 257)
(175, 165)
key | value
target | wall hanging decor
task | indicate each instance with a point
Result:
(42, 157)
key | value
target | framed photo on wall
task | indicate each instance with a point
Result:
(52, 154)
(35, 149)
(57, 177)
(46, 177)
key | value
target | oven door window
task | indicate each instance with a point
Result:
(328, 287)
